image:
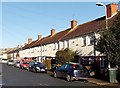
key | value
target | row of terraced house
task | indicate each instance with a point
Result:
(77, 37)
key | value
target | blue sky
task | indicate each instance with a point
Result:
(23, 20)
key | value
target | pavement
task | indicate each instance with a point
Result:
(103, 83)
(98, 82)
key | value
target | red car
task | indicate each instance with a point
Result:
(24, 64)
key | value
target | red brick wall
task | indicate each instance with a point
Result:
(111, 9)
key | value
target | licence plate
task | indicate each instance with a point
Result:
(42, 69)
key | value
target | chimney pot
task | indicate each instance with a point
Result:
(73, 23)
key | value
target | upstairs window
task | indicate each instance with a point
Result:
(44, 48)
(83, 41)
(56, 46)
(39, 49)
(66, 44)
(62, 45)
(92, 40)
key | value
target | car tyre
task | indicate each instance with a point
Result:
(20, 67)
(69, 79)
(28, 69)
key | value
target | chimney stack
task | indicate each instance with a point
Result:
(73, 24)
(52, 32)
(39, 37)
(111, 9)
(29, 40)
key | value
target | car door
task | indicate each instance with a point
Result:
(31, 66)
(60, 71)
(63, 71)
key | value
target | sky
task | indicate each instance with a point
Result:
(23, 20)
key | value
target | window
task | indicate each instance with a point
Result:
(62, 45)
(35, 49)
(38, 49)
(102, 60)
(63, 67)
(31, 50)
(66, 44)
(83, 41)
(91, 40)
(55, 46)
(42, 48)
(45, 48)
(85, 61)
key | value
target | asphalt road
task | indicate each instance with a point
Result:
(12, 76)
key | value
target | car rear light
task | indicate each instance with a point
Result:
(73, 66)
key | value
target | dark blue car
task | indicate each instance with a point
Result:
(71, 71)
(37, 67)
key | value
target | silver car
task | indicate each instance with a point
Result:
(10, 62)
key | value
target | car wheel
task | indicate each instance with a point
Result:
(22, 68)
(28, 69)
(69, 78)
(55, 74)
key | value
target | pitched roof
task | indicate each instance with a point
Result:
(85, 28)
(29, 45)
(57, 36)
(92, 26)
(51, 39)
(41, 41)
(12, 50)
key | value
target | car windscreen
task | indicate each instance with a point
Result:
(39, 64)
(25, 62)
(10, 60)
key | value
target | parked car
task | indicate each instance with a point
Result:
(4, 61)
(72, 71)
(17, 64)
(10, 62)
(24, 64)
(37, 67)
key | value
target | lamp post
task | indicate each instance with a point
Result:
(101, 4)
(106, 23)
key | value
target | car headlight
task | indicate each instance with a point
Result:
(37, 68)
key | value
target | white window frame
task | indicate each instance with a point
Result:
(83, 41)
(91, 42)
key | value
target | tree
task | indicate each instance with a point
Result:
(67, 55)
(109, 42)
(77, 54)
(63, 56)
